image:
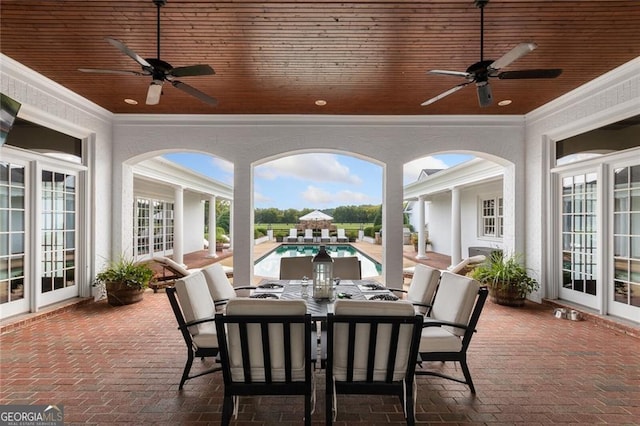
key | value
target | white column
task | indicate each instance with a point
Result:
(242, 223)
(422, 238)
(213, 224)
(392, 224)
(178, 225)
(231, 204)
(455, 227)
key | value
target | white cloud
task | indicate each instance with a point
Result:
(261, 198)
(413, 168)
(319, 196)
(309, 167)
(223, 165)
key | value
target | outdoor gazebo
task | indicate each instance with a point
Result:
(316, 220)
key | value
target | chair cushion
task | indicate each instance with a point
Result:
(196, 303)
(439, 339)
(341, 336)
(455, 299)
(172, 265)
(265, 308)
(423, 285)
(220, 287)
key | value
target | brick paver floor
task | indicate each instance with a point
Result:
(109, 365)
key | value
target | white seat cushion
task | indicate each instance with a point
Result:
(423, 285)
(220, 287)
(439, 339)
(454, 300)
(265, 308)
(196, 303)
(370, 308)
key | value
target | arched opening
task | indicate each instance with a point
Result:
(459, 205)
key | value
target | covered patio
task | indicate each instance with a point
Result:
(109, 365)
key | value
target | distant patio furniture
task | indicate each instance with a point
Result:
(292, 237)
(462, 266)
(171, 271)
(308, 235)
(324, 236)
(194, 311)
(265, 349)
(342, 238)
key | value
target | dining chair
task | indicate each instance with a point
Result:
(371, 349)
(194, 310)
(220, 288)
(347, 268)
(451, 323)
(296, 267)
(265, 349)
(422, 289)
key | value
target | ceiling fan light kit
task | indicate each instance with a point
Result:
(159, 70)
(480, 72)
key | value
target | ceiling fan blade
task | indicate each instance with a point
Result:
(515, 53)
(447, 93)
(154, 92)
(539, 73)
(462, 74)
(191, 71)
(195, 92)
(121, 72)
(124, 49)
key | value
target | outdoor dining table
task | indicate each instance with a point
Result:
(343, 289)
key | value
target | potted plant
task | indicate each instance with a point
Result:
(507, 279)
(125, 281)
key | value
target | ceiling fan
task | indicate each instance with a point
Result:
(480, 72)
(159, 70)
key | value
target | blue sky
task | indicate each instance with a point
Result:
(316, 180)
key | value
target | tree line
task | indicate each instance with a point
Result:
(342, 214)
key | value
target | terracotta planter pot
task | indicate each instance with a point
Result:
(505, 296)
(119, 294)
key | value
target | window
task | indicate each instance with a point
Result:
(58, 230)
(153, 227)
(626, 235)
(491, 217)
(12, 232)
(579, 232)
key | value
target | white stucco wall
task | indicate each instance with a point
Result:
(51, 105)
(390, 141)
(193, 222)
(605, 100)
(250, 140)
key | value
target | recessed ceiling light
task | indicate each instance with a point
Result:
(321, 102)
(505, 102)
(131, 101)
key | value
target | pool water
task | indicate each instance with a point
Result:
(269, 264)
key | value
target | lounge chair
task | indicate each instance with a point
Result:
(171, 271)
(342, 238)
(308, 235)
(292, 237)
(324, 236)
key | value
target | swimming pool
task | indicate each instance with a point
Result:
(269, 264)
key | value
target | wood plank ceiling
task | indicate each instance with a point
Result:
(278, 57)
